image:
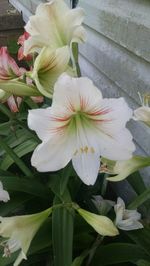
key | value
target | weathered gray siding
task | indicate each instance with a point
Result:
(117, 52)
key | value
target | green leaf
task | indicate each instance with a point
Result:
(15, 202)
(139, 200)
(112, 254)
(13, 157)
(13, 47)
(15, 138)
(29, 186)
(143, 263)
(136, 182)
(21, 150)
(43, 238)
(141, 238)
(5, 128)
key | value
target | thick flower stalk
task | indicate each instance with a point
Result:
(82, 126)
(54, 25)
(20, 230)
(126, 219)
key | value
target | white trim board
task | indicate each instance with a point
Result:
(22, 9)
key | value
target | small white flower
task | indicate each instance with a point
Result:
(4, 196)
(126, 219)
(82, 126)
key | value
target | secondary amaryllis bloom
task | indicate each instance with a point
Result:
(21, 41)
(19, 231)
(48, 66)
(119, 170)
(8, 67)
(126, 219)
(80, 125)
(143, 113)
(54, 25)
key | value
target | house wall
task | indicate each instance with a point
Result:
(116, 55)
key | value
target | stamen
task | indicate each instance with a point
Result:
(85, 149)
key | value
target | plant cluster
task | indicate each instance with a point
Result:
(62, 148)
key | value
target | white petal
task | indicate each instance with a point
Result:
(128, 225)
(86, 160)
(4, 195)
(132, 214)
(87, 166)
(117, 147)
(79, 92)
(29, 45)
(53, 154)
(75, 32)
(39, 121)
(20, 257)
(119, 210)
(114, 116)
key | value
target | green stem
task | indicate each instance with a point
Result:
(75, 55)
(15, 158)
(95, 245)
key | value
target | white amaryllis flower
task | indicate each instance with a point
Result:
(80, 125)
(54, 25)
(126, 219)
(4, 196)
(20, 230)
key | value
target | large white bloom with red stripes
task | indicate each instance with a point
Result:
(82, 126)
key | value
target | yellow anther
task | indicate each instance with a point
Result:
(86, 149)
(92, 150)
